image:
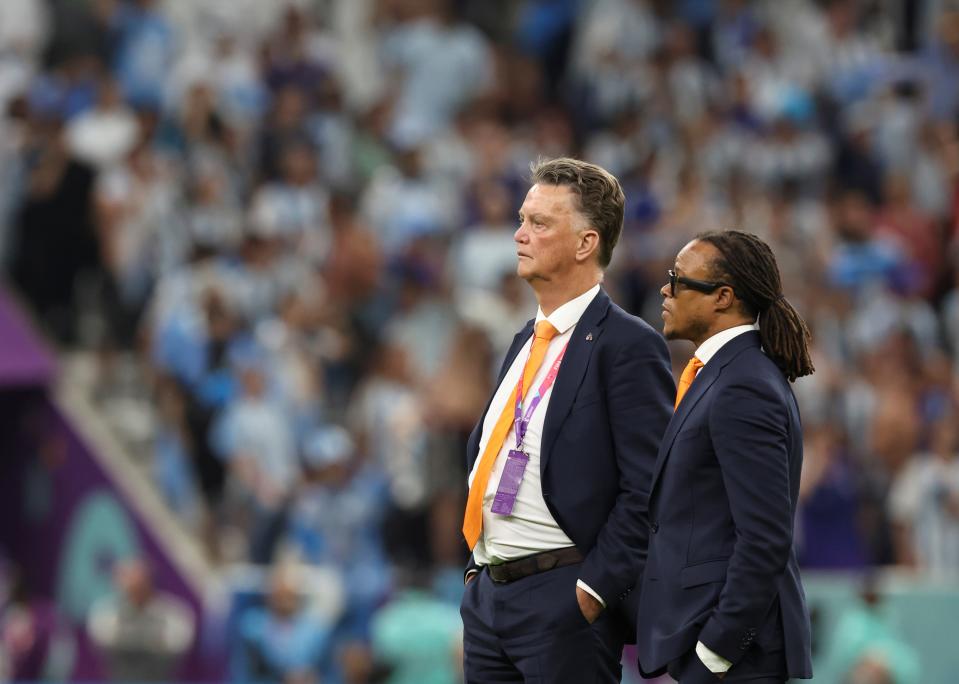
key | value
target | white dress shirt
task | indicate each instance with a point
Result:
(530, 528)
(707, 350)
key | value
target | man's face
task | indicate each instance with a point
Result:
(689, 314)
(548, 234)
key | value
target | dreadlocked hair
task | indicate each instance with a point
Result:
(749, 266)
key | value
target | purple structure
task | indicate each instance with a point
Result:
(63, 521)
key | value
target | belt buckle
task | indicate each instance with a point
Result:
(493, 577)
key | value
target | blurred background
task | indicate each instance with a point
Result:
(258, 278)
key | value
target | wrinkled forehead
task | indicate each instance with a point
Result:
(551, 200)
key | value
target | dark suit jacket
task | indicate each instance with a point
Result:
(604, 421)
(721, 566)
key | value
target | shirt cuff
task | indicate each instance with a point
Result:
(585, 587)
(714, 662)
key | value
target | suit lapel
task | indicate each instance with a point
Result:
(571, 371)
(707, 376)
(514, 348)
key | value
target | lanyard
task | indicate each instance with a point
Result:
(522, 421)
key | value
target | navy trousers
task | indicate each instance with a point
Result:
(533, 631)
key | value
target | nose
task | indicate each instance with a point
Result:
(521, 234)
(665, 291)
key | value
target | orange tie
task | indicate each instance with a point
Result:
(686, 379)
(473, 518)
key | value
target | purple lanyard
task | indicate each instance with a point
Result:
(519, 420)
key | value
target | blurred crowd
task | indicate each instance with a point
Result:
(298, 216)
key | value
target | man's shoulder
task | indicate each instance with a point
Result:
(751, 367)
(752, 362)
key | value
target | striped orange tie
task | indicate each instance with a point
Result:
(686, 379)
(473, 518)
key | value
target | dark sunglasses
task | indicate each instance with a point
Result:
(691, 283)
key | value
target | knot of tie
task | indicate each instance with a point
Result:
(545, 330)
(686, 379)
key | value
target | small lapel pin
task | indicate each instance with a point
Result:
(589, 337)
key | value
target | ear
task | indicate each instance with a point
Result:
(725, 299)
(587, 244)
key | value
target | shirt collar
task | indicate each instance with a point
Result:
(708, 349)
(568, 315)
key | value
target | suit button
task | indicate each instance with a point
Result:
(654, 527)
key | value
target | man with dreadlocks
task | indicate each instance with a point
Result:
(721, 596)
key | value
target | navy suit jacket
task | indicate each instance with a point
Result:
(721, 567)
(607, 413)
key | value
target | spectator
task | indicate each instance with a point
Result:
(418, 637)
(430, 90)
(31, 630)
(106, 134)
(257, 442)
(282, 641)
(146, 44)
(866, 649)
(294, 210)
(335, 521)
(924, 502)
(141, 632)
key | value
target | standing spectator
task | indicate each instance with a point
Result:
(390, 425)
(56, 246)
(430, 90)
(924, 502)
(107, 133)
(336, 519)
(256, 440)
(294, 209)
(145, 50)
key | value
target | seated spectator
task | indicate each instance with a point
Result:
(282, 641)
(141, 632)
(31, 631)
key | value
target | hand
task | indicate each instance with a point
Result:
(588, 605)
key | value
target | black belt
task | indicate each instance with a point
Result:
(511, 571)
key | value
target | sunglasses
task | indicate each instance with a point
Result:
(691, 283)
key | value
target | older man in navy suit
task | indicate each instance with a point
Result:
(721, 596)
(561, 461)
